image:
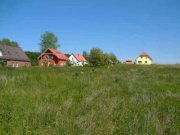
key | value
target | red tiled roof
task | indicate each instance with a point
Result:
(79, 57)
(145, 54)
(58, 54)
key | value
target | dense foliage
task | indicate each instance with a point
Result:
(2, 63)
(6, 41)
(118, 99)
(48, 40)
(98, 58)
(33, 57)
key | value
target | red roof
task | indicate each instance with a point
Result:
(58, 54)
(145, 54)
(79, 57)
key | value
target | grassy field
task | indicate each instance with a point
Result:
(127, 100)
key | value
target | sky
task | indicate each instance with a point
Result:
(124, 27)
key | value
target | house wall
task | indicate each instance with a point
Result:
(128, 62)
(52, 60)
(144, 61)
(11, 63)
(74, 61)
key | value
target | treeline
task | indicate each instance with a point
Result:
(97, 57)
(6, 41)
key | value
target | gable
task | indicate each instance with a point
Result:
(57, 54)
(79, 57)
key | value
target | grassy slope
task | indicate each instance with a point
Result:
(135, 100)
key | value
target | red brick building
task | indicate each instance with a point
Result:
(13, 56)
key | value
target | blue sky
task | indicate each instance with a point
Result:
(124, 27)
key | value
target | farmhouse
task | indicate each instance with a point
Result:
(77, 60)
(53, 57)
(144, 59)
(13, 56)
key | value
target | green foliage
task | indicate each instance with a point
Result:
(86, 55)
(98, 58)
(119, 100)
(33, 57)
(48, 40)
(2, 63)
(6, 41)
(69, 63)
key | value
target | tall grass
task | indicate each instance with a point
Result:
(133, 100)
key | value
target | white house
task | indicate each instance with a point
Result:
(77, 60)
(144, 59)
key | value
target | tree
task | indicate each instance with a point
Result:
(96, 57)
(113, 58)
(86, 55)
(8, 42)
(33, 57)
(48, 40)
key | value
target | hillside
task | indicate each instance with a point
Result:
(130, 100)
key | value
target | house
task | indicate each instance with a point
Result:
(52, 57)
(77, 60)
(144, 59)
(13, 56)
(128, 62)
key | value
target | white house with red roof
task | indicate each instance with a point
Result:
(53, 57)
(144, 59)
(77, 60)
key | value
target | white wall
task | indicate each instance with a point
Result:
(1, 53)
(74, 61)
(144, 61)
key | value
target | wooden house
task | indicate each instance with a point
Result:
(52, 57)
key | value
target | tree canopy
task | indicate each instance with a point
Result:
(33, 57)
(48, 40)
(98, 58)
(8, 42)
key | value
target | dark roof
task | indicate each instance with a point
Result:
(12, 53)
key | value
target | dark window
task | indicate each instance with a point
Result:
(145, 61)
(139, 61)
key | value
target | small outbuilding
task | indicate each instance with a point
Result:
(128, 62)
(144, 59)
(77, 60)
(52, 57)
(13, 56)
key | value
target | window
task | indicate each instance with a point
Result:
(13, 65)
(52, 57)
(139, 62)
(146, 62)
(1, 54)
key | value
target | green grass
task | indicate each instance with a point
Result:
(127, 100)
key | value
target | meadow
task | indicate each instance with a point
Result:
(110, 100)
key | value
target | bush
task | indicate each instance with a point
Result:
(2, 63)
(98, 58)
